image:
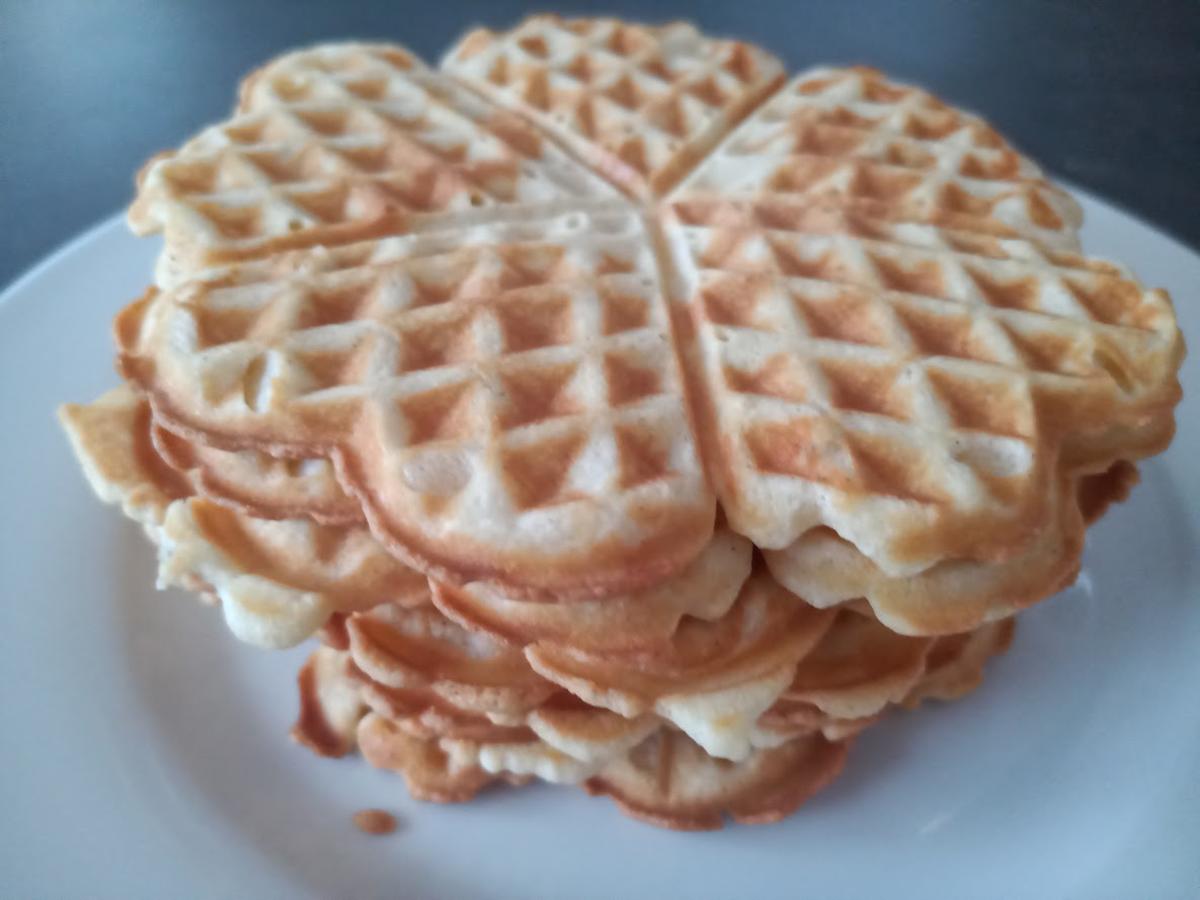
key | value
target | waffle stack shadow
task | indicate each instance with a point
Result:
(615, 410)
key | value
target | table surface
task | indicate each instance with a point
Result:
(1106, 95)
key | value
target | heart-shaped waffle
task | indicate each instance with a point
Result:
(509, 410)
(913, 388)
(277, 580)
(345, 142)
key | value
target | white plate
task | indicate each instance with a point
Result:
(144, 751)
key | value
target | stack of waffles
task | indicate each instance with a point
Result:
(615, 409)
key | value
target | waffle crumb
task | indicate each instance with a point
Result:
(374, 821)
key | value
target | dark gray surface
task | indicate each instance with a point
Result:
(1104, 94)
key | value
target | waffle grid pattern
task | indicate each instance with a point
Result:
(343, 139)
(854, 135)
(639, 102)
(907, 364)
(508, 378)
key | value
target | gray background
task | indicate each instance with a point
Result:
(1104, 94)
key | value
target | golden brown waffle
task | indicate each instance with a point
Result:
(423, 712)
(712, 680)
(509, 411)
(344, 142)
(331, 705)
(664, 778)
(562, 740)
(955, 664)
(593, 739)
(257, 483)
(916, 389)
(671, 782)
(427, 769)
(266, 487)
(858, 668)
(1097, 493)
(640, 104)
(418, 648)
(948, 597)
(111, 440)
(277, 581)
(954, 595)
(855, 139)
(645, 619)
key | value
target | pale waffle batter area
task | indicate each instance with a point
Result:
(614, 409)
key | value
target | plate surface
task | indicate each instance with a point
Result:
(144, 750)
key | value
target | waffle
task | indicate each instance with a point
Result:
(642, 620)
(591, 739)
(111, 441)
(265, 487)
(561, 741)
(591, 735)
(422, 711)
(341, 143)
(258, 484)
(669, 781)
(955, 664)
(406, 649)
(855, 139)
(713, 680)
(640, 104)
(277, 581)
(858, 668)
(428, 771)
(915, 389)
(538, 441)
(331, 705)
(954, 595)
(666, 780)
(1097, 493)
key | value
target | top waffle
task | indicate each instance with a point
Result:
(640, 104)
(861, 305)
(340, 143)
